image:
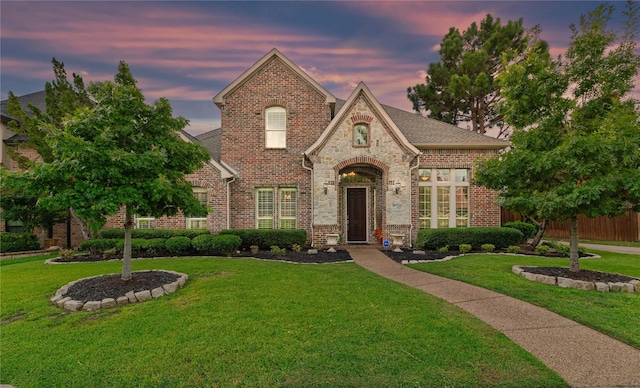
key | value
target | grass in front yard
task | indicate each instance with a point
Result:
(613, 313)
(251, 323)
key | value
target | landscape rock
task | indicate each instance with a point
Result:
(517, 270)
(91, 305)
(108, 303)
(171, 287)
(582, 285)
(73, 305)
(564, 282)
(628, 287)
(157, 292)
(131, 296)
(546, 279)
(143, 295)
(603, 287)
(62, 301)
(615, 286)
(122, 300)
(419, 252)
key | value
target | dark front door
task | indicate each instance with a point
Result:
(357, 214)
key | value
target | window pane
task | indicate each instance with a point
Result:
(197, 223)
(200, 193)
(462, 175)
(264, 208)
(276, 120)
(462, 206)
(145, 223)
(443, 206)
(276, 139)
(424, 174)
(424, 207)
(15, 227)
(288, 208)
(361, 134)
(442, 174)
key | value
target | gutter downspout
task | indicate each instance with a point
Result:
(312, 196)
(229, 182)
(411, 200)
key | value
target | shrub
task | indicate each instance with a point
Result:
(443, 249)
(464, 248)
(265, 238)
(475, 236)
(488, 248)
(18, 242)
(66, 254)
(148, 234)
(178, 244)
(226, 244)
(109, 254)
(528, 230)
(278, 251)
(563, 250)
(203, 242)
(542, 250)
(296, 248)
(154, 246)
(513, 249)
(98, 246)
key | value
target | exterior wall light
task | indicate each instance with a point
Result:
(326, 189)
(398, 187)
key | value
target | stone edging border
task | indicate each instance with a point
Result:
(632, 286)
(71, 305)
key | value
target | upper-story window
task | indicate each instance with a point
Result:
(276, 127)
(361, 135)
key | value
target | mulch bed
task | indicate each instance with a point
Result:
(583, 274)
(112, 286)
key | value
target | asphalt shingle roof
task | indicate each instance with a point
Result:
(211, 141)
(36, 99)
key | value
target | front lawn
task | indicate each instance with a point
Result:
(613, 313)
(244, 322)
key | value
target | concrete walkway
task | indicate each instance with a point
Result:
(582, 356)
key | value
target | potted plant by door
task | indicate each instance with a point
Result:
(378, 233)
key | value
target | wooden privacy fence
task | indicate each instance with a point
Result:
(622, 228)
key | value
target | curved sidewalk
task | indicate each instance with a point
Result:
(582, 356)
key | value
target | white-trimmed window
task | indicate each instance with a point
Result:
(200, 193)
(288, 208)
(145, 222)
(282, 216)
(264, 208)
(443, 202)
(276, 127)
(361, 135)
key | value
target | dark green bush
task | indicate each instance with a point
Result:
(153, 233)
(433, 239)
(528, 230)
(98, 246)
(203, 242)
(178, 244)
(265, 238)
(227, 243)
(18, 242)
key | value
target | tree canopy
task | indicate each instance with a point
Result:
(120, 153)
(576, 145)
(461, 86)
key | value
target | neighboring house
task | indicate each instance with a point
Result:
(290, 155)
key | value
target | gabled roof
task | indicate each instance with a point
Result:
(363, 89)
(219, 98)
(37, 99)
(427, 133)
(211, 141)
(225, 171)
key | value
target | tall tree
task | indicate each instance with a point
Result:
(20, 198)
(461, 87)
(121, 154)
(576, 147)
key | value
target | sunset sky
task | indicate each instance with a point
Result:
(187, 51)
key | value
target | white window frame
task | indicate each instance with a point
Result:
(275, 127)
(365, 137)
(199, 222)
(450, 178)
(142, 222)
(288, 200)
(265, 208)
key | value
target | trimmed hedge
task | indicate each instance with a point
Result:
(266, 238)
(226, 244)
(99, 245)
(153, 233)
(178, 244)
(203, 242)
(18, 242)
(528, 230)
(433, 239)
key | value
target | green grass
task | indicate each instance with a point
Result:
(613, 313)
(242, 322)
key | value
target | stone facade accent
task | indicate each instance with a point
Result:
(71, 305)
(631, 286)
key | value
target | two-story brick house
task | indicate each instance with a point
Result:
(289, 154)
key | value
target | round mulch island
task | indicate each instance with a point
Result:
(108, 291)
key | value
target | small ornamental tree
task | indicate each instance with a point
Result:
(576, 148)
(121, 154)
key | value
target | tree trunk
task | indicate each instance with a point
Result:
(538, 237)
(574, 265)
(86, 232)
(126, 255)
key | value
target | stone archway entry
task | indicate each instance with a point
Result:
(356, 214)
